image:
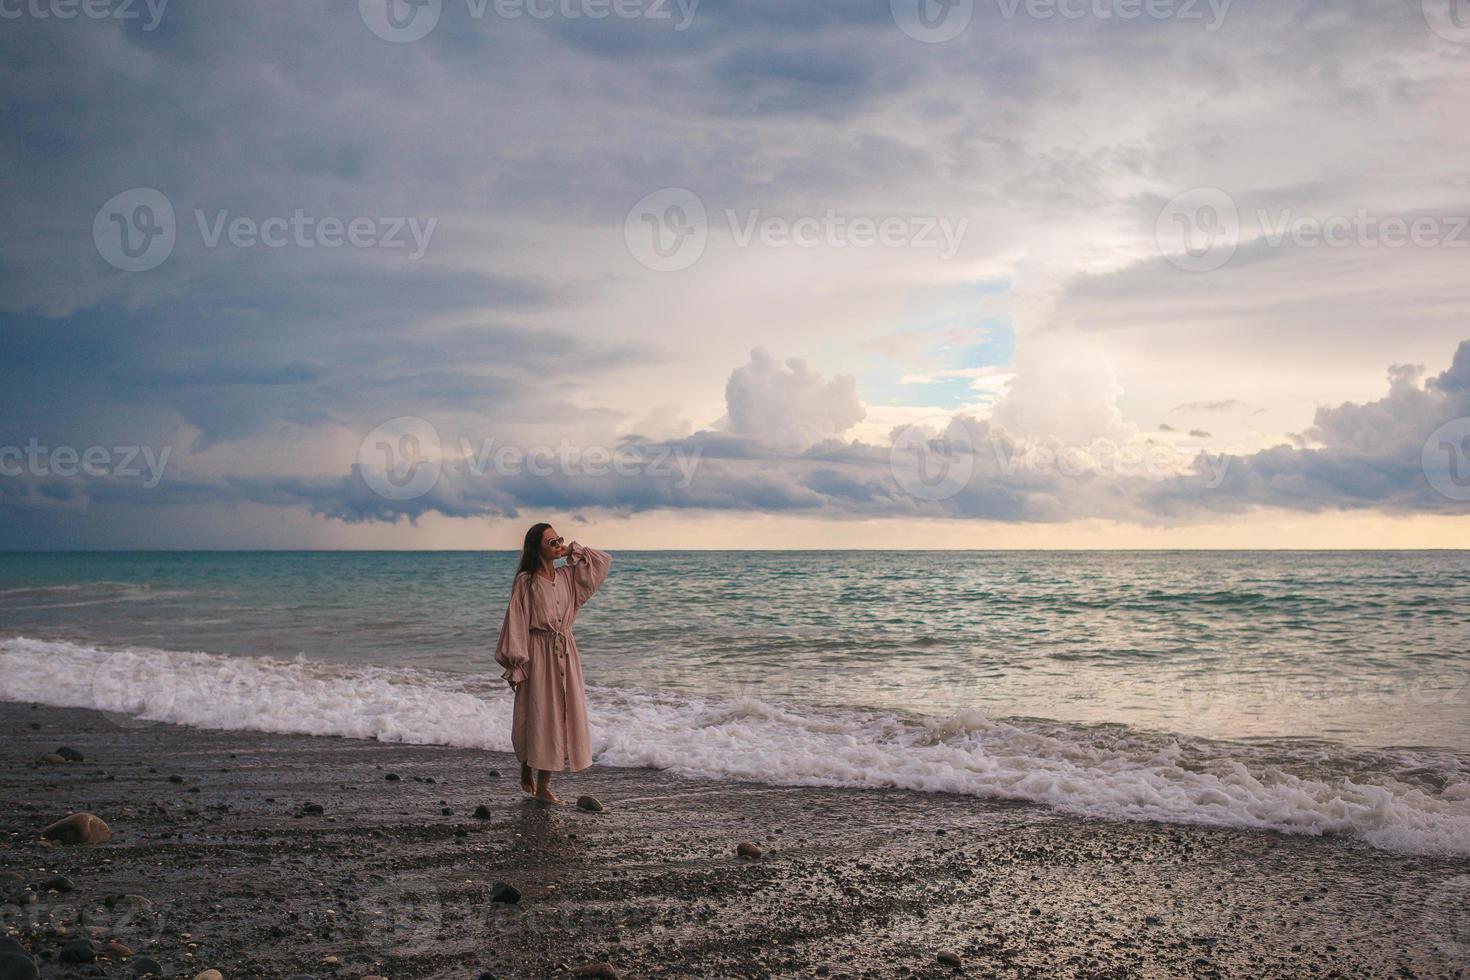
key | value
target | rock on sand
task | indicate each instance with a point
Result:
(78, 828)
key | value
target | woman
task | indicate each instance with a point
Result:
(549, 724)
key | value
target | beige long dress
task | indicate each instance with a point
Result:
(549, 722)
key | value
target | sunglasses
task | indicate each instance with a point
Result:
(553, 543)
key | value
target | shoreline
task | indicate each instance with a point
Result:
(859, 882)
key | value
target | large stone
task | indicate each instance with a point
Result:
(501, 892)
(603, 971)
(746, 849)
(69, 754)
(146, 966)
(78, 828)
(78, 951)
(589, 803)
(15, 966)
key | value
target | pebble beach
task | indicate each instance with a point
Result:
(291, 856)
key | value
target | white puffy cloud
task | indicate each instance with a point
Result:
(789, 406)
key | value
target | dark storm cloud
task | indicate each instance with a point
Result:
(503, 130)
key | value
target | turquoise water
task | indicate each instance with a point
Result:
(1366, 648)
(1314, 693)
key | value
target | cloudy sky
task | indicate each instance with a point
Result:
(990, 273)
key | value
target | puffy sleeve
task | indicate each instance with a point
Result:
(589, 568)
(512, 652)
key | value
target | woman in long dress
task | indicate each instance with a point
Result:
(549, 723)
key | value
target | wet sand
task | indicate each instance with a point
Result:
(212, 829)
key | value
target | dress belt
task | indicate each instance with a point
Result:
(559, 639)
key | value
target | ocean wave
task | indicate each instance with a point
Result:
(31, 598)
(1407, 800)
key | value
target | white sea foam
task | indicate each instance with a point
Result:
(1411, 801)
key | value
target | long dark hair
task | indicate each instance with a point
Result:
(531, 550)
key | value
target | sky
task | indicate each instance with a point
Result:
(718, 274)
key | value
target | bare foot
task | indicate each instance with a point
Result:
(527, 783)
(545, 795)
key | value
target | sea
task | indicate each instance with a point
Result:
(1323, 693)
